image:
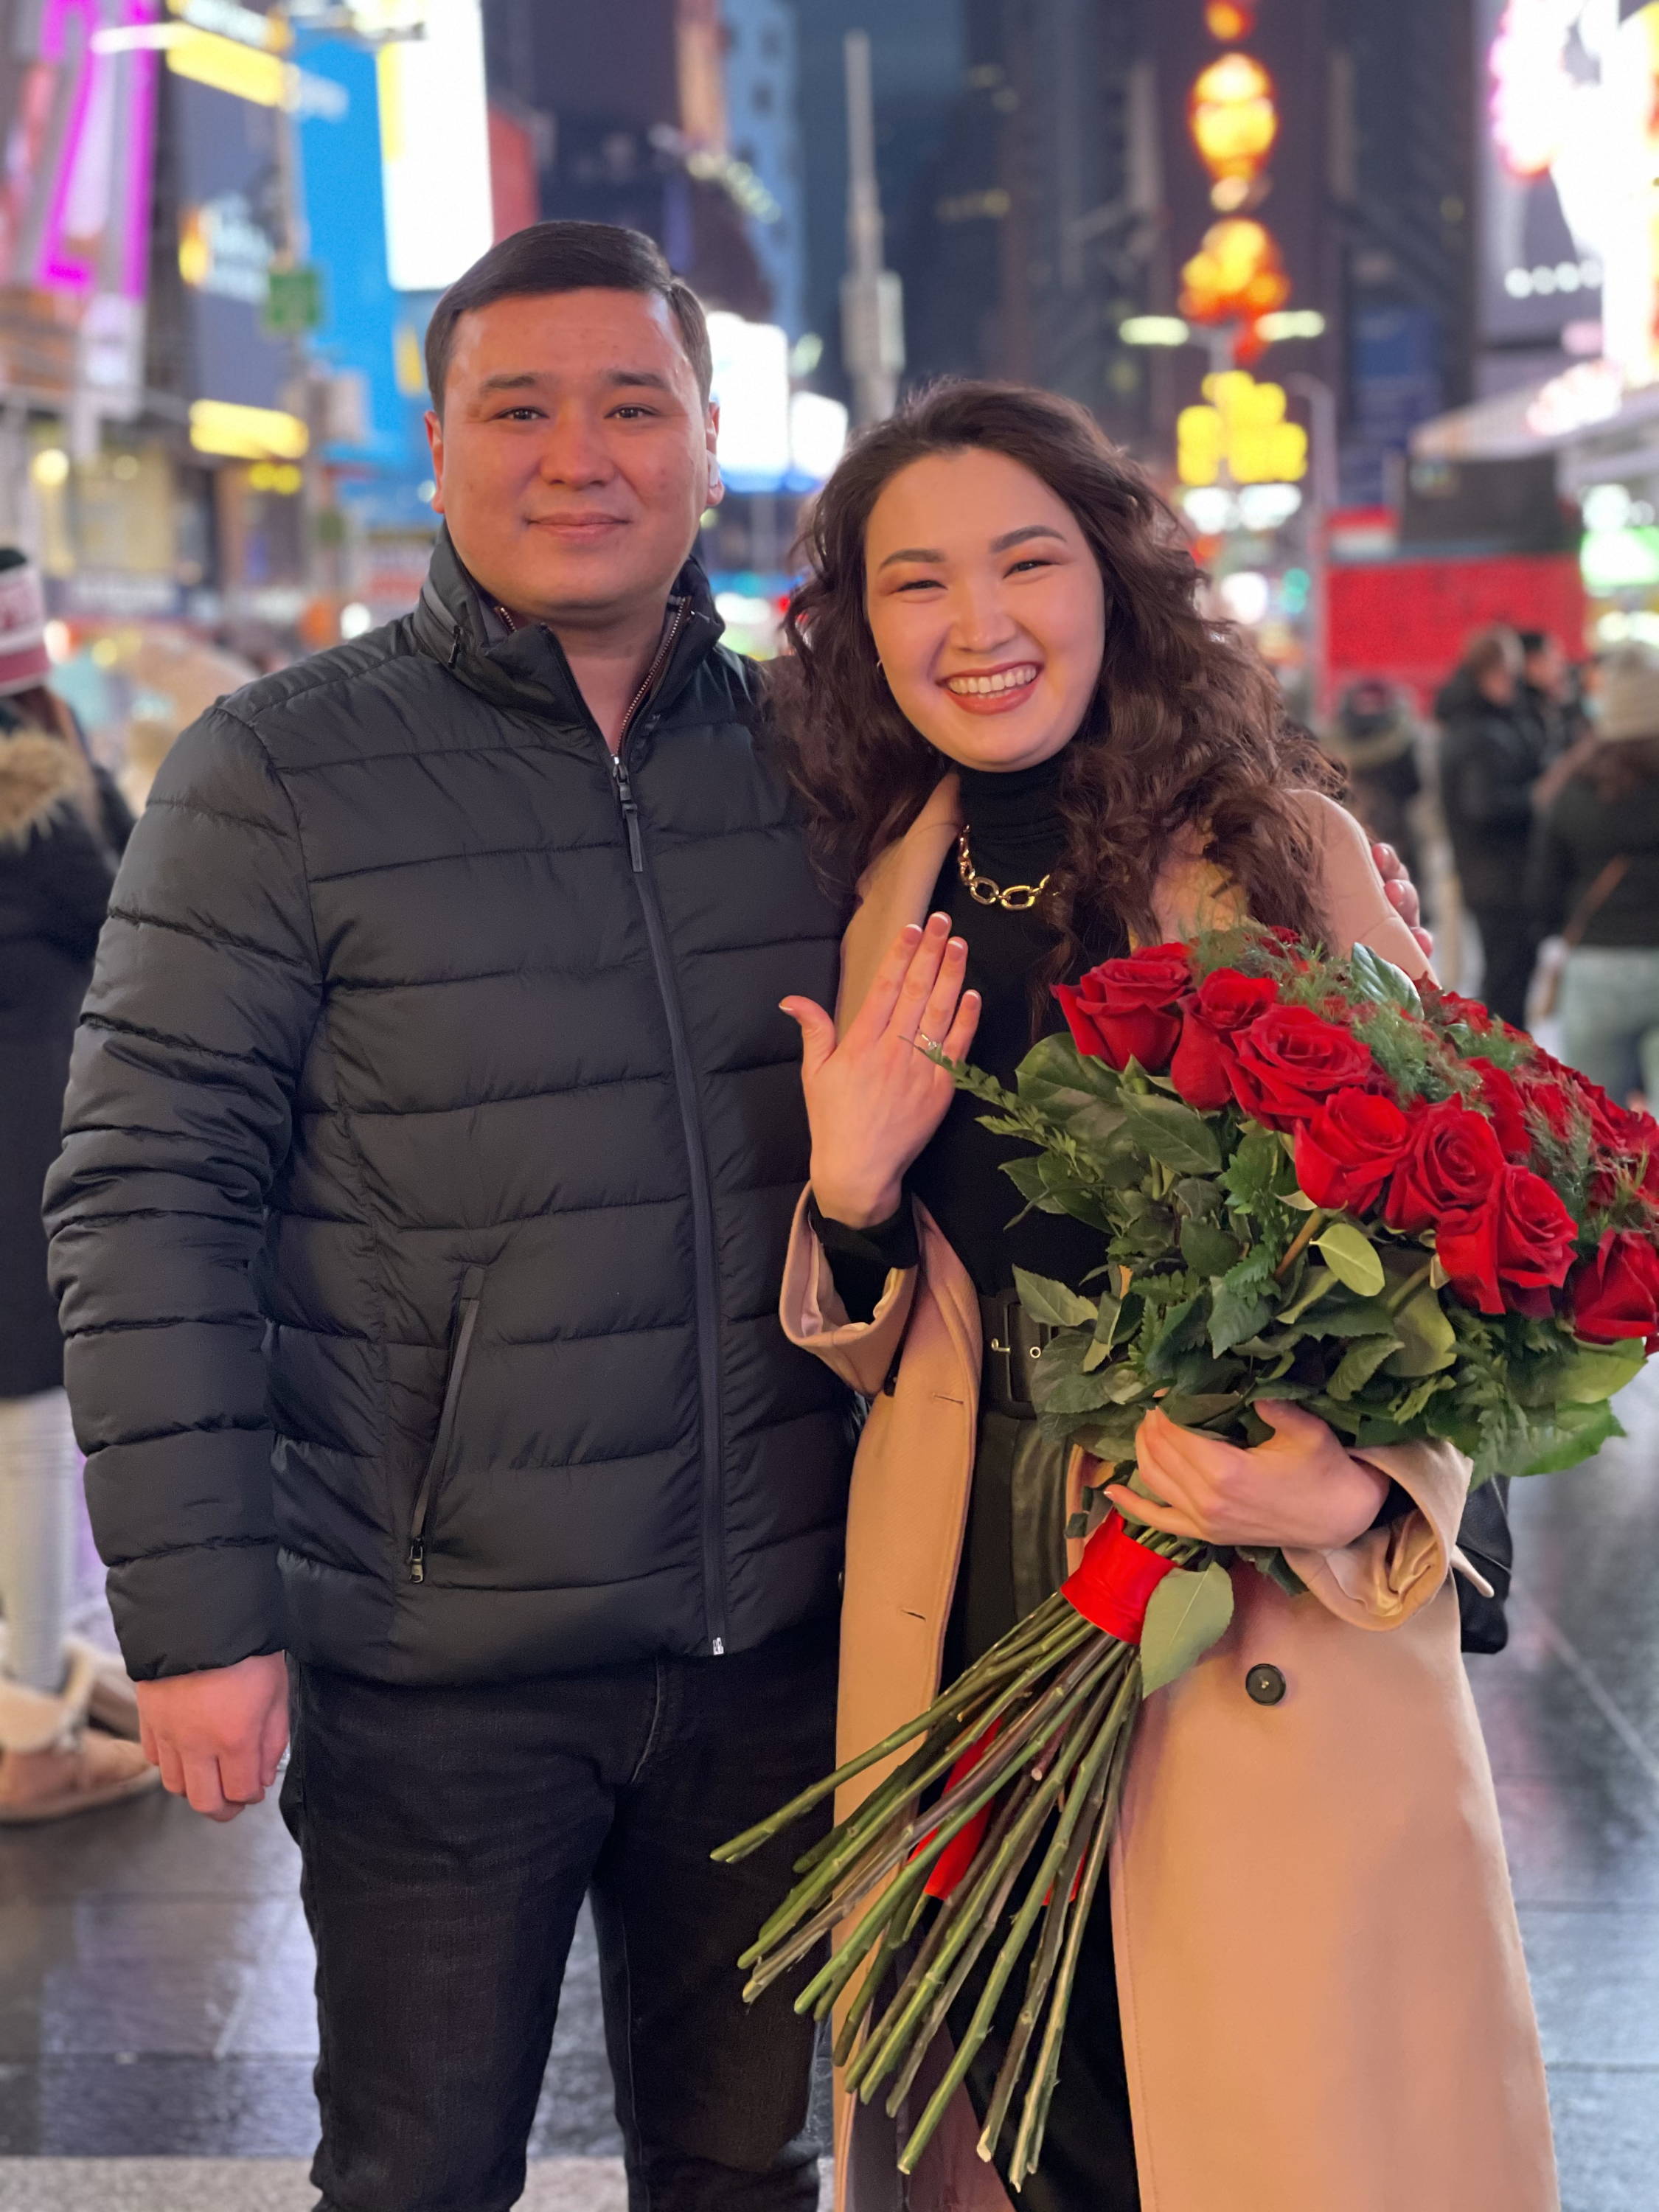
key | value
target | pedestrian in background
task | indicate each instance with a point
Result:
(62, 826)
(1491, 755)
(1595, 879)
(1548, 691)
(1375, 737)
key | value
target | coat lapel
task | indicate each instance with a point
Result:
(894, 891)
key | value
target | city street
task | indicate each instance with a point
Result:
(155, 2012)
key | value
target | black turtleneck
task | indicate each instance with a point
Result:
(1016, 835)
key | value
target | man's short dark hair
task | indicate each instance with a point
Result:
(567, 257)
(1533, 642)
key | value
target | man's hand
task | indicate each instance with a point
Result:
(219, 1736)
(1402, 895)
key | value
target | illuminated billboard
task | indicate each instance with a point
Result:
(76, 122)
(1549, 192)
(1572, 201)
(434, 149)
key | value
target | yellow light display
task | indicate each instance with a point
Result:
(1232, 117)
(227, 65)
(1243, 430)
(1228, 20)
(246, 434)
(1237, 272)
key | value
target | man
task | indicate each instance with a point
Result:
(1491, 755)
(430, 1151)
(1547, 692)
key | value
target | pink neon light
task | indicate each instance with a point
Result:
(57, 269)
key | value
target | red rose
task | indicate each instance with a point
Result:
(1290, 1059)
(1503, 1101)
(1454, 1164)
(1512, 1250)
(1548, 1099)
(1616, 1294)
(1350, 1148)
(1125, 1010)
(1536, 1234)
(1224, 1003)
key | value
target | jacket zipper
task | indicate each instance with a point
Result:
(466, 1320)
(702, 1205)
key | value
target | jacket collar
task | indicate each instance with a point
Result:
(527, 668)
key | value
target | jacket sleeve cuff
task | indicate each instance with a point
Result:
(202, 1606)
(1403, 1559)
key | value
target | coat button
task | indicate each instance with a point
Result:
(1265, 1685)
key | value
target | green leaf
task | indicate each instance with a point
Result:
(1242, 1303)
(1192, 1409)
(1182, 1330)
(1566, 1439)
(1359, 1362)
(1046, 1300)
(1111, 1311)
(1428, 1341)
(1406, 1410)
(1196, 1194)
(1206, 1248)
(1171, 1133)
(1381, 982)
(1315, 1285)
(1591, 1372)
(1026, 1177)
(1352, 1258)
(1189, 1612)
(1255, 1170)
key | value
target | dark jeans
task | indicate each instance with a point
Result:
(1508, 949)
(448, 1836)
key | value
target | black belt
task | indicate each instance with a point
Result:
(1013, 1342)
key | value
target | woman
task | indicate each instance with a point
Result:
(61, 829)
(1595, 879)
(1308, 1991)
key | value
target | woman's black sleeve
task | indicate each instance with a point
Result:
(860, 1260)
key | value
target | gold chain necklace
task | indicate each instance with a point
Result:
(1015, 899)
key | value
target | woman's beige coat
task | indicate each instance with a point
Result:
(1324, 2003)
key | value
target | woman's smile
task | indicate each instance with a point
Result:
(994, 690)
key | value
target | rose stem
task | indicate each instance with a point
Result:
(1042, 1968)
(991, 1912)
(1024, 1920)
(892, 1802)
(1300, 1243)
(971, 1926)
(932, 1831)
(1059, 1631)
(1028, 2144)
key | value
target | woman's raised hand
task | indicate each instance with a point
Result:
(1302, 1488)
(875, 1097)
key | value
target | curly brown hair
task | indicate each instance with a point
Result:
(1185, 732)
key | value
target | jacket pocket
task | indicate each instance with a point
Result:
(443, 1444)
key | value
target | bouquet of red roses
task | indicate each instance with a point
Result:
(1311, 1184)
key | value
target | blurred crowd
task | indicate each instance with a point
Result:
(1527, 805)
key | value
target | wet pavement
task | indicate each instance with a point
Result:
(155, 2000)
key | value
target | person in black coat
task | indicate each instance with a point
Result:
(62, 826)
(1491, 755)
(1596, 878)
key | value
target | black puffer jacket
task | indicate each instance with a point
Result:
(431, 1148)
(1490, 758)
(61, 830)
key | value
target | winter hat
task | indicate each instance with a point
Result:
(1629, 696)
(24, 660)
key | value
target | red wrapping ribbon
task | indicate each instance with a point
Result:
(954, 1860)
(1115, 1580)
